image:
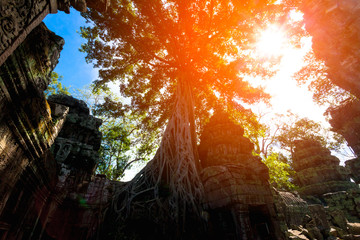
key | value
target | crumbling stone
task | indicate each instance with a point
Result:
(45, 195)
(345, 120)
(297, 235)
(347, 202)
(317, 171)
(294, 208)
(80, 138)
(19, 18)
(236, 180)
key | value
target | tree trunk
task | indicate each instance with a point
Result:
(168, 189)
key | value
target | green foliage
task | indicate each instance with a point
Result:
(280, 171)
(55, 86)
(114, 150)
(296, 128)
(275, 144)
(148, 45)
(122, 143)
(314, 73)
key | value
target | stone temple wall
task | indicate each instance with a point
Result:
(236, 184)
(46, 193)
(345, 120)
(28, 127)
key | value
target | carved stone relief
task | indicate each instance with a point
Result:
(17, 19)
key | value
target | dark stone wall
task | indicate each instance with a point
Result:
(46, 194)
(28, 127)
(334, 27)
(345, 120)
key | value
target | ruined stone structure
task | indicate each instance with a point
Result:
(345, 120)
(237, 189)
(46, 194)
(20, 17)
(48, 189)
(335, 26)
(29, 125)
(317, 171)
(80, 196)
(332, 199)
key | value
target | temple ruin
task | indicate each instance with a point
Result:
(48, 154)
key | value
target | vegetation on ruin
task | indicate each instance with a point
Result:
(146, 78)
(175, 62)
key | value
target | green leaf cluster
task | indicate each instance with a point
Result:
(122, 142)
(55, 86)
(296, 128)
(280, 171)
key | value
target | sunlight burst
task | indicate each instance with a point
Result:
(272, 42)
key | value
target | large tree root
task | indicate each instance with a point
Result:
(168, 191)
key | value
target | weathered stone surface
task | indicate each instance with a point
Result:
(46, 196)
(345, 120)
(27, 125)
(348, 202)
(80, 212)
(222, 142)
(292, 207)
(354, 228)
(79, 140)
(317, 172)
(353, 167)
(297, 235)
(18, 18)
(234, 179)
(224, 188)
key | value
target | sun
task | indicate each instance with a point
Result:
(272, 42)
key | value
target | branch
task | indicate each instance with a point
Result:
(129, 163)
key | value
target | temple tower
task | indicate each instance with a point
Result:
(236, 185)
(317, 171)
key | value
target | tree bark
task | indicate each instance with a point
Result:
(174, 167)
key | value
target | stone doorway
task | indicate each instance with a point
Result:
(261, 225)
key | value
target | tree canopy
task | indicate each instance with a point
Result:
(180, 59)
(325, 92)
(145, 46)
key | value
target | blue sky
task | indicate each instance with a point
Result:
(72, 65)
